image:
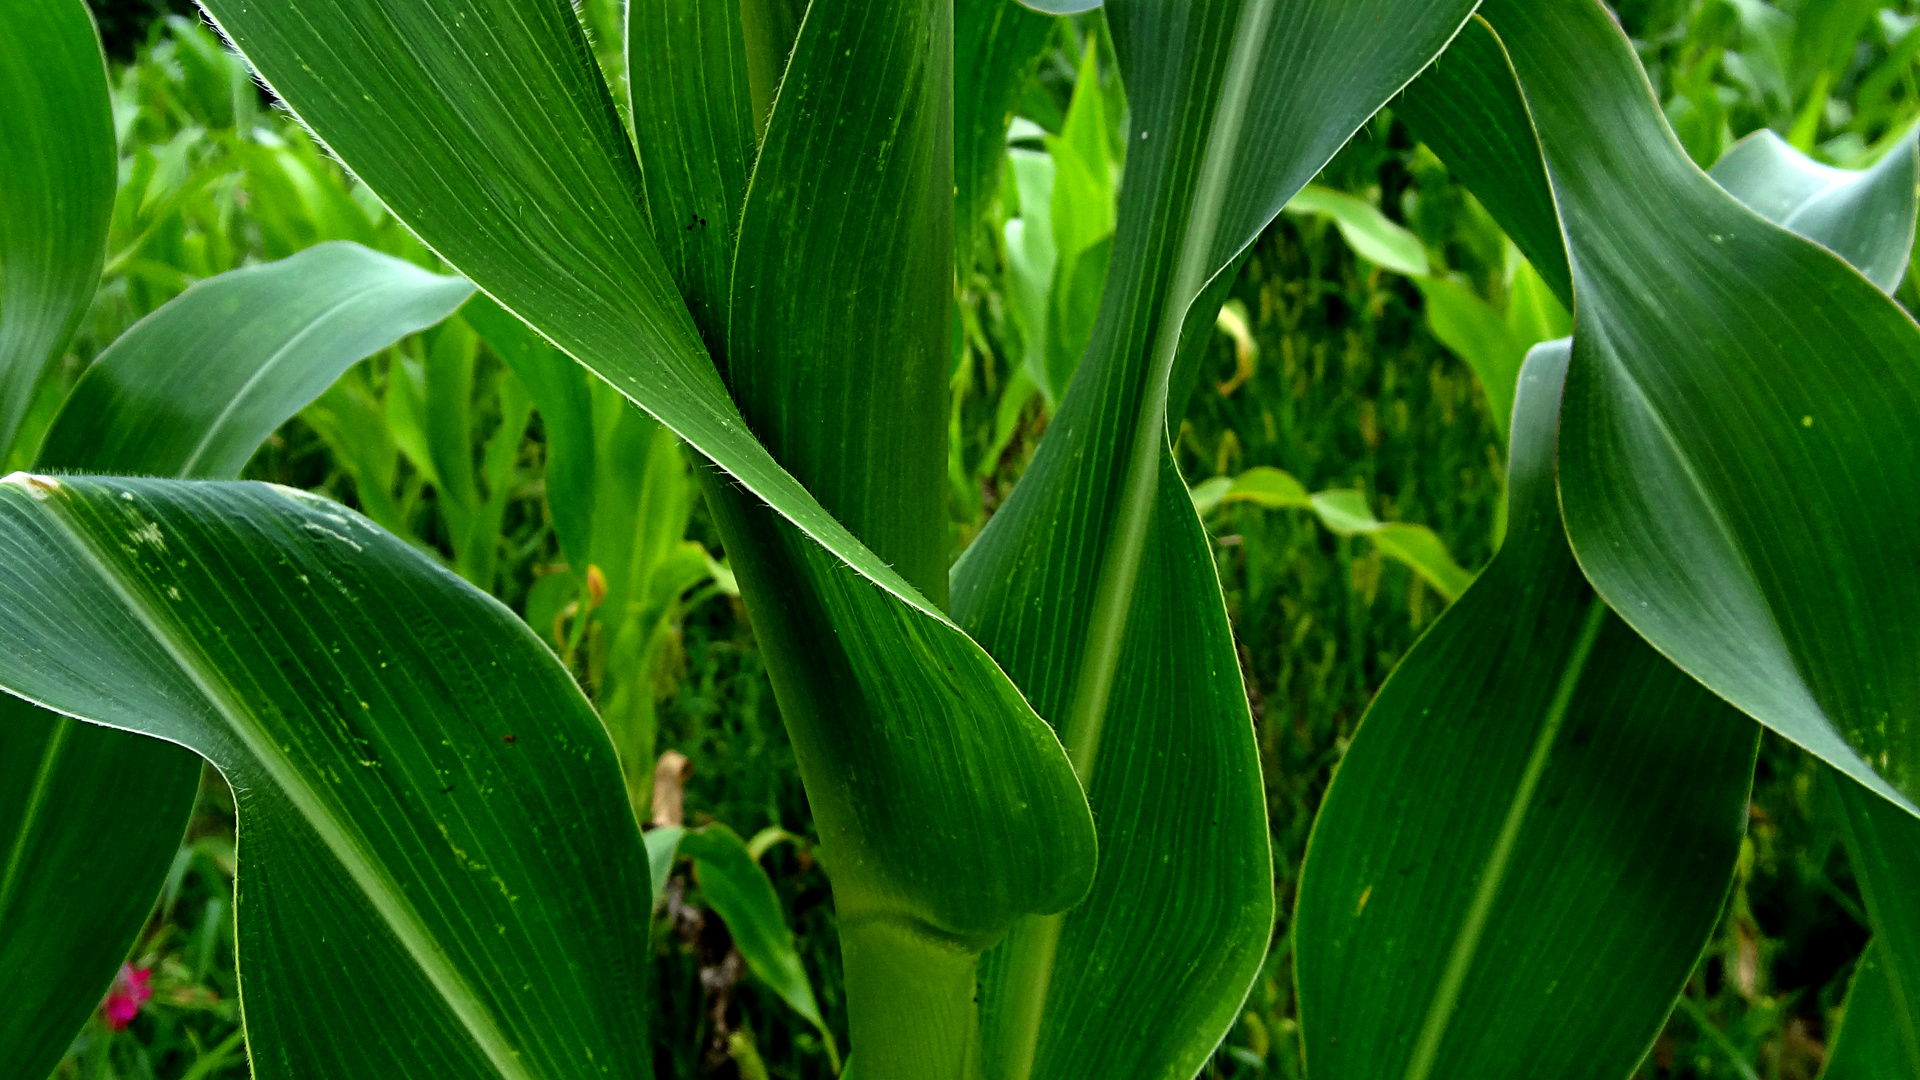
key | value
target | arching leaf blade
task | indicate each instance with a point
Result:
(1538, 809)
(1077, 583)
(193, 389)
(190, 390)
(1695, 396)
(413, 771)
(536, 197)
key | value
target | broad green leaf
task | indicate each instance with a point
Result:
(1476, 333)
(1366, 230)
(934, 760)
(90, 819)
(996, 45)
(1697, 395)
(56, 136)
(189, 391)
(1528, 843)
(192, 390)
(1866, 218)
(1869, 1043)
(1095, 585)
(733, 884)
(1468, 110)
(1033, 256)
(413, 772)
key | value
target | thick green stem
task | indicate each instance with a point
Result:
(1031, 946)
(910, 995)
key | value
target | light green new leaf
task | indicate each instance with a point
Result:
(192, 390)
(1095, 585)
(56, 137)
(1366, 230)
(1033, 257)
(1528, 843)
(561, 390)
(734, 885)
(1481, 336)
(1345, 513)
(940, 785)
(996, 44)
(413, 772)
(1866, 218)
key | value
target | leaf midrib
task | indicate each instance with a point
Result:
(339, 837)
(1120, 569)
(218, 426)
(50, 755)
(1493, 872)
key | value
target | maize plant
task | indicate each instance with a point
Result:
(1033, 771)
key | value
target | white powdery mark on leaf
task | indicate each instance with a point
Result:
(343, 538)
(36, 485)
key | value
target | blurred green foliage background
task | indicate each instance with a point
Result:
(1329, 369)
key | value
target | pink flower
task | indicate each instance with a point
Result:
(131, 989)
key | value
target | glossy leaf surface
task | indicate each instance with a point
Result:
(1695, 397)
(536, 197)
(413, 773)
(1094, 584)
(1866, 217)
(189, 391)
(192, 390)
(1527, 844)
(56, 136)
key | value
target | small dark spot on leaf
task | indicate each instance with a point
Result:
(508, 738)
